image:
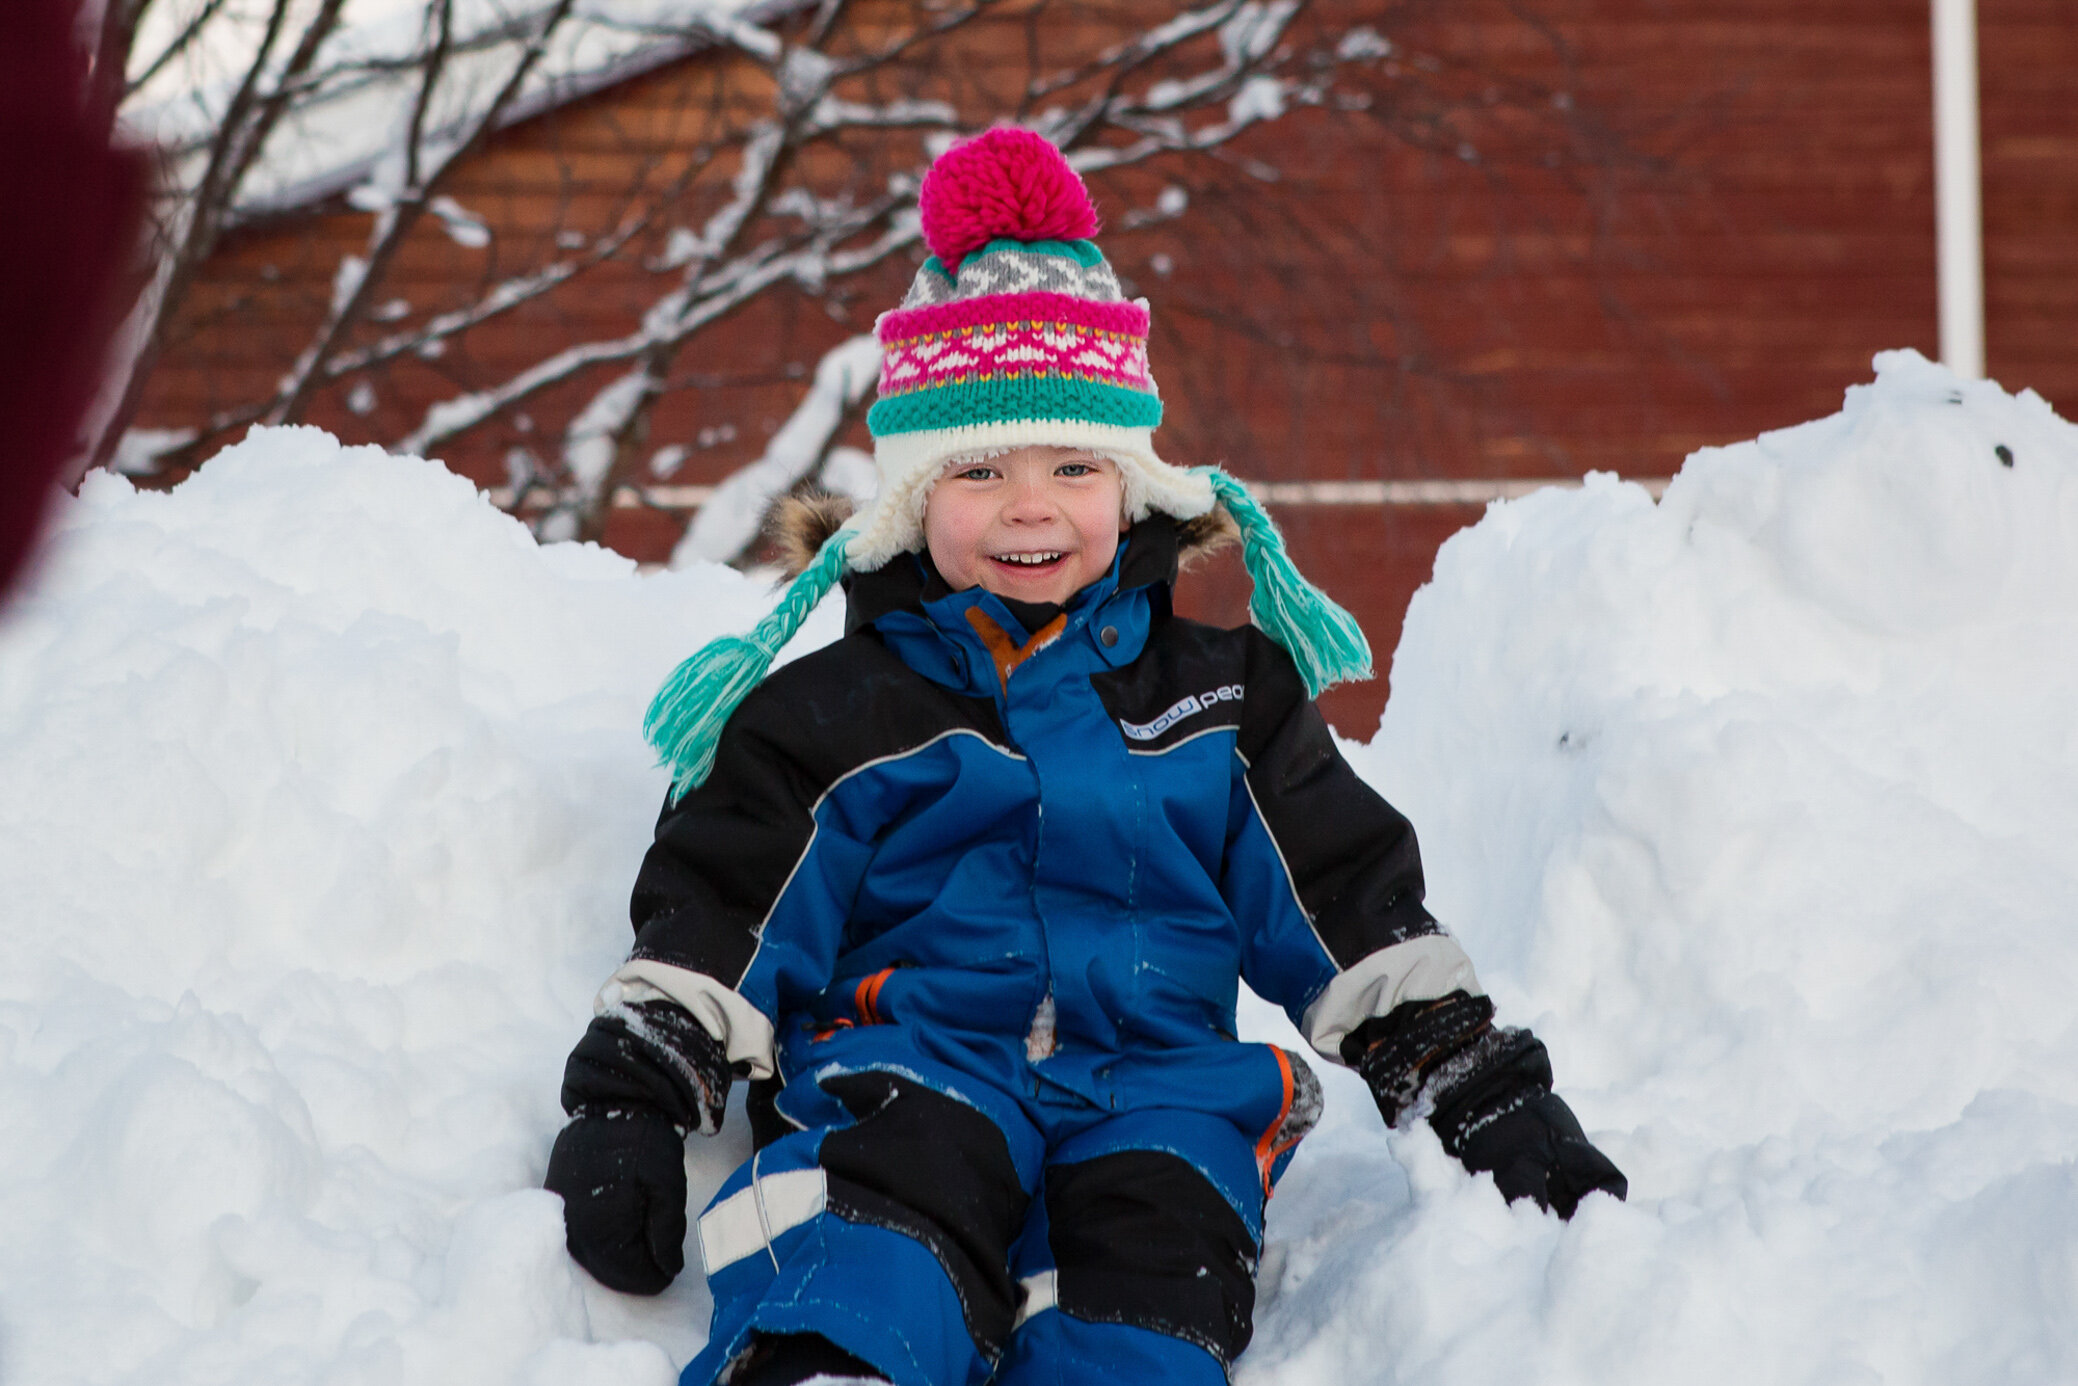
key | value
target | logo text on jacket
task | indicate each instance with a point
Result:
(1189, 704)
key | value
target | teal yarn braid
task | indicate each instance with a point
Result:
(1322, 639)
(686, 717)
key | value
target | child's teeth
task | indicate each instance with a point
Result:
(1029, 559)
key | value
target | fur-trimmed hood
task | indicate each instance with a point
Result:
(800, 524)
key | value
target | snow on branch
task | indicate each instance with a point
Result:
(423, 171)
(815, 188)
(729, 522)
(832, 114)
(672, 319)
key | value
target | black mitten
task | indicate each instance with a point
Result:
(652, 1054)
(622, 1178)
(1503, 1118)
(642, 1076)
(1492, 1101)
(1418, 1048)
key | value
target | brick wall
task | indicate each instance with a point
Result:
(1738, 215)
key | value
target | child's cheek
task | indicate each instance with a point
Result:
(953, 540)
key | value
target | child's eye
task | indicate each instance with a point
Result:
(976, 473)
(1074, 469)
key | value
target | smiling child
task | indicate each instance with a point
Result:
(969, 894)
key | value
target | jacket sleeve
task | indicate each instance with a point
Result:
(742, 897)
(1323, 874)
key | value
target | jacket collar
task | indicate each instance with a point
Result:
(962, 639)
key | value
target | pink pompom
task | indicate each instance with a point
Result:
(1007, 182)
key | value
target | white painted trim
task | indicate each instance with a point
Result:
(1423, 491)
(753, 1218)
(1958, 188)
(1419, 969)
(1416, 492)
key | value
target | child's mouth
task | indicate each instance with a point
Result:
(1029, 562)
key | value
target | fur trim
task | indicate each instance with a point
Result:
(800, 524)
(910, 463)
(1205, 535)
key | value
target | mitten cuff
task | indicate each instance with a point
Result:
(649, 1056)
(1421, 1051)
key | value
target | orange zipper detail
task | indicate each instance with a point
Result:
(866, 1000)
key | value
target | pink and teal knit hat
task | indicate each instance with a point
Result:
(1014, 333)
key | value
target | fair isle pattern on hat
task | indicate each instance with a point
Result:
(1053, 357)
(1014, 333)
(1005, 266)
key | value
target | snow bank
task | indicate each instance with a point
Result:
(1761, 804)
(324, 789)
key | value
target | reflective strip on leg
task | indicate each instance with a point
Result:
(1041, 1293)
(736, 1227)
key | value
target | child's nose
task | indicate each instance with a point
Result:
(1030, 501)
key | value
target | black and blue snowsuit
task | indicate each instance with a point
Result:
(981, 897)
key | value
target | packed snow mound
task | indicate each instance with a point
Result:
(1760, 803)
(324, 788)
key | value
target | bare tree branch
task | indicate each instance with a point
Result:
(395, 222)
(180, 43)
(197, 221)
(810, 191)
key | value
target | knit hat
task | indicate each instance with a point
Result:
(1015, 333)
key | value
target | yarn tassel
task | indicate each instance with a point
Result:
(686, 717)
(1322, 639)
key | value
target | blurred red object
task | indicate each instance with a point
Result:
(68, 241)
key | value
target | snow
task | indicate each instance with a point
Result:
(325, 785)
(1363, 42)
(588, 444)
(139, 450)
(1254, 29)
(349, 134)
(729, 521)
(1760, 803)
(1261, 97)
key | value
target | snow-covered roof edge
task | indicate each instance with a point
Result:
(363, 137)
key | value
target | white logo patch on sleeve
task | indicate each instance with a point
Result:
(1188, 705)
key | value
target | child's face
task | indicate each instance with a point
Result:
(1036, 525)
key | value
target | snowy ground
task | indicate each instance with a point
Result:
(323, 789)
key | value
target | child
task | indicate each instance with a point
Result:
(968, 894)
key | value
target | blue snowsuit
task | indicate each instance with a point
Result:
(981, 898)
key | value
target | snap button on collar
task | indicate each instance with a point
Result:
(1109, 635)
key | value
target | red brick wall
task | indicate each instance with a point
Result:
(1740, 216)
(2028, 77)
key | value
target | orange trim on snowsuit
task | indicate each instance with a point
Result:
(1266, 1151)
(1007, 655)
(866, 999)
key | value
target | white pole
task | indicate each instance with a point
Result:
(1958, 213)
